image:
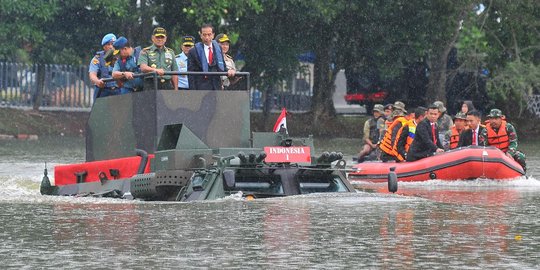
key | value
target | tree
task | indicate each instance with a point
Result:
(501, 38)
(52, 32)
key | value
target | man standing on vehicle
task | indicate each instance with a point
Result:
(100, 69)
(372, 132)
(426, 141)
(206, 56)
(126, 66)
(159, 59)
(182, 61)
(502, 135)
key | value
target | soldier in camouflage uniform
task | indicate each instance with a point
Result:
(502, 135)
(444, 122)
(372, 132)
(158, 58)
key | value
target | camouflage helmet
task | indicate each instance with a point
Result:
(440, 104)
(400, 106)
(495, 113)
(378, 108)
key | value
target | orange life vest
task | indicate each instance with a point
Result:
(410, 137)
(498, 139)
(454, 138)
(387, 145)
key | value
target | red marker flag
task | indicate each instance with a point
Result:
(281, 121)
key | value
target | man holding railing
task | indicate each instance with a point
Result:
(126, 66)
(206, 56)
(159, 59)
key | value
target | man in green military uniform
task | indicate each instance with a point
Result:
(158, 58)
(502, 135)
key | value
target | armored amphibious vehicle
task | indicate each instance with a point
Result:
(188, 146)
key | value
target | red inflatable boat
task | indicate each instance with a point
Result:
(459, 164)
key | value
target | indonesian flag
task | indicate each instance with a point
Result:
(281, 121)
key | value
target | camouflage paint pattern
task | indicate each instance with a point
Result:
(119, 124)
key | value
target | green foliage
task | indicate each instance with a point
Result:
(512, 84)
(379, 36)
(54, 31)
(503, 37)
(213, 11)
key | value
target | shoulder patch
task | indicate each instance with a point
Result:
(95, 61)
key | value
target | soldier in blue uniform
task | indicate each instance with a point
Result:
(100, 69)
(126, 66)
(182, 62)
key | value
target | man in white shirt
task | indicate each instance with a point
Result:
(476, 134)
(206, 56)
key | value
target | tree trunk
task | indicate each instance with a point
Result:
(268, 102)
(323, 87)
(40, 85)
(436, 88)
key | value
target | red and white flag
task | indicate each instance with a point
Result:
(281, 121)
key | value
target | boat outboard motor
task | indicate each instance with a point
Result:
(392, 180)
(46, 188)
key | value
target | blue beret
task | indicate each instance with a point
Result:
(120, 43)
(108, 38)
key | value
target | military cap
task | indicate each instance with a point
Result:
(398, 105)
(389, 106)
(461, 115)
(440, 104)
(188, 41)
(120, 43)
(108, 38)
(378, 108)
(159, 31)
(398, 112)
(223, 38)
(494, 113)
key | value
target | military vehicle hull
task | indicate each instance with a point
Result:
(189, 146)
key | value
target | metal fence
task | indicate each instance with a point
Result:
(533, 104)
(67, 87)
(64, 86)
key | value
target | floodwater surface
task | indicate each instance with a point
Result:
(477, 224)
